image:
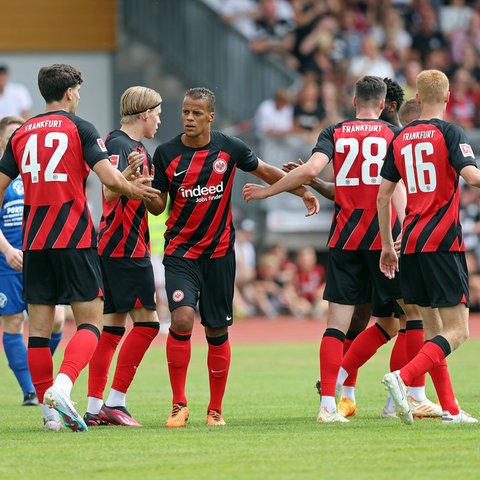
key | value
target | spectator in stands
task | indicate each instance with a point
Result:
(470, 34)
(469, 61)
(324, 53)
(429, 37)
(389, 30)
(462, 107)
(335, 108)
(307, 14)
(411, 70)
(271, 293)
(350, 34)
(273, 127)
(370, 62)
(15, 99)
(240, 14)
(274, 116)
(309, 281)
(274, 28)
(454, 16)
(308, 112)
(245, 257)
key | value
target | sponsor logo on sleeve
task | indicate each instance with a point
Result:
(114, 160)
(467, 150)
(101, 144)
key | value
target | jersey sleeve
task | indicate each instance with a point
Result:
(325, 142)
(118, 153)
(389, 170)
(8, 165)
(247, 160)
(94, 148)
(460, 152)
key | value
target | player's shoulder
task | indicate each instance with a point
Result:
(220, 137)
(117, 138)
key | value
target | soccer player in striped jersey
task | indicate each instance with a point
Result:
(196, 169)
(357, 148)
(54, 152)
(12, 306)
(124, 249)
(409, 338)
(429, 155)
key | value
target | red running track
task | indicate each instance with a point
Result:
(263, 330)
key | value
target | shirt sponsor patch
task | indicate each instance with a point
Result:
(466, 150)
(114, 160)
(101, 144)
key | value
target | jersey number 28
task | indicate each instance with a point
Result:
(372, 150)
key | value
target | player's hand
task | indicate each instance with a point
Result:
(142, 186)
(135, 163)
(252, 191)
(311, 202)
(14, 258)
(288, 167)
(389, 262)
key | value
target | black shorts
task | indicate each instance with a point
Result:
(129, 284)
(352, 276)
(208, 281)
(386, 309)
(61, 276)
(436, 279)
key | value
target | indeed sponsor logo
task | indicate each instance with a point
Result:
(212, 192)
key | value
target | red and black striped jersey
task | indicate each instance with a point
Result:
(428, 155)
(54, 152)
(199, 182)
(123, 230)
(357, 149)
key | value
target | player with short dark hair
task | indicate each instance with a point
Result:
(196, 169)
(54, 152)
(356, 148)
(429, 155)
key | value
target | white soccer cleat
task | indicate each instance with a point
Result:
(64, 406)
(461, 417)
(424, 408)
(387, 413)
(324, 416)
(398, 391)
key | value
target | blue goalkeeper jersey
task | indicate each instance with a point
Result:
(11, 215)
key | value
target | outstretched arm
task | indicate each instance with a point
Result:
(326, 189)
(139, 189)
(273, 176)
(289, 182)
(471, 175)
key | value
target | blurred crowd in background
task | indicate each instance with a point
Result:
(331, 43)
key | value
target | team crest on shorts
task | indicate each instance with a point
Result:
(220, 165)
(3, 300)
(178, 296)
